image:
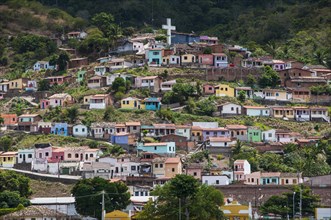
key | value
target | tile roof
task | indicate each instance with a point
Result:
(220, 139)
(173, 160)
(35, 211)
(236, 127)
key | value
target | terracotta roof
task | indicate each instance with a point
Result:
(28, 115)
(172, 160)
(164, 125)
(270, 174)
(236, 127)
(183, 126)
(133, 123)
(9, 153)
(100, 96)
(196, 128)
(59, 96)
(215, 129)
(34, 212)
(219, 54)
(255, 107)
(149, 77)
(220, 139)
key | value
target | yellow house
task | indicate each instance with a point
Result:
(132, 103)
(117, 215)
(224, 90)
(19, 84)
(173, 166)
(275, 94)
(187, 58)
(196, 133)
(236, 211)
(8, 159)
(283, 112)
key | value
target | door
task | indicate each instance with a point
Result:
(283, 182)
(23, 158)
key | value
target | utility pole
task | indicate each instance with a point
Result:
(293, 205)
(300, 202)
(103, 205)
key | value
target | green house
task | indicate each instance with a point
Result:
(81, 75)
(254, 134)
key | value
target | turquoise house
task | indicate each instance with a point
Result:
(270, 178)
(168, 148)
(254, 134)
(154, 57)
(81, 75)
(152, 104)
(60, 129)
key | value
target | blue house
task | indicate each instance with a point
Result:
(59, 129)
(270, 178)
(152, 104)
(158, 148)
(155, 57)
(121, 138)
(184, 38)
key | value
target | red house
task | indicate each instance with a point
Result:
(205, 59)
(208, 89)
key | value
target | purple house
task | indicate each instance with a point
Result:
(121, 138)
(215, 132)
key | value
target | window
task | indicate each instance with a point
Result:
(286, 181)
(195, 174)
(270, 135)
(185, 57)
(155, 53)
(238, 132)
(133, 168)
(46, 154)
(173, 169)
(156, 165)
(242, 133)
(169, 148)
(155, 148)
(217, 182)
(20, 155)
(232, 108)
(91, 155)
(207, 133)
(69, 155)
(76, 129)
(29, 155)
(136, 193)
(226, 89)
(76, 155)
(161, 165)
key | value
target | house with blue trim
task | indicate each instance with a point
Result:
(154, 56)
(60, 129)
(168, 148)
(152, 104)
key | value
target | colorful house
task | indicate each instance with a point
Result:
(254, 134)
(282, 112)
(8, 159)
(173, 166)
(100, 101)
(97, 82)
(238, 132)
(224, 90)
(132, 103)
(248, 91)
(44, 103)
(206, 59)
(59, 80)
(301, 113)
(117, 215)
(214, 132)
(80, 130)
(42, 65)
(155, 56)
(81, 75)
(152, 104)
(241, 169)
(61, 99)
(168, 148)
(256, 111)
(236, 211)
(229, 109)
(208, 89)
(152, 83)
(9, 119)
(187, 59)
(220, 60)
(60, 129)
(28, 122)
(25, 155)
(121, 138)
(18, 84)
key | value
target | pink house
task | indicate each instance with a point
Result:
(43, 151)
(76, 154)
(195, 170)
(241, 169)
(208, 89)
(57, 154)
(206, 59)
(44, 103)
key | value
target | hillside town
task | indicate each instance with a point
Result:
(157, 106)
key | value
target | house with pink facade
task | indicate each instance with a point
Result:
(43, 151)
(80, 154)
(208, 89)
(241, 169)
(195, 170)
(44, 103)
(205, 59)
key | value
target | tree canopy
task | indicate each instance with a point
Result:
(88, 196)
(196, 201)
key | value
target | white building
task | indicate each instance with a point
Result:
(230, 109)
(42, 65)
(241, 169)
(101, 70)
(221, 142)
(65, 205)
(25, 155)
(183, 130)
(80, 130)
(111, 78)
(167, 86)
(269, 135)
(216, 180)
(256, 110)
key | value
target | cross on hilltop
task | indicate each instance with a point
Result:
(169, 28)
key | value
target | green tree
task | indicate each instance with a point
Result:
(88, 197)
(269, 78)
(43, 85)
(2, 121)
(71, 114)
(190, 106)
(241, 96)
(12, 181)
(11, 199)
(283, 205)
(5, 143)
(206, 107)
(196, 201)
(118, 83)
(62, 61)
(251, 80)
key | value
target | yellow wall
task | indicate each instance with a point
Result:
(281, 96)
(281, 113)
(117, 215)
(130, 105)
(189, 58)
(10, 161)
(224, 90)
(232, 211)
(169, 167)
(16, 84)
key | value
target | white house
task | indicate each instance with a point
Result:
(174, 59)
(167, 86)
(138, 46)
(256, 111)
(79, 130)
(221, 142)
(230, 109)
(215, 180)
(65, 205)
(25, 155)
(220, 60)
(269, 135)
(301, 113)
(183, 130)
(42, 65)
(111, 78)
(118, 63)
(101, 70)
(241, 169)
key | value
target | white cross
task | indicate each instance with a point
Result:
(169, 28)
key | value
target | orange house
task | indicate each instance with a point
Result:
(9, 119)
(173, 166)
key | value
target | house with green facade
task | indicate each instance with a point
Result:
(81, 75)
(254, 134)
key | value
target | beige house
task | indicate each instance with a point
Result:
(18, 84)
(159, 167)
(187, 58)
(173, 166)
